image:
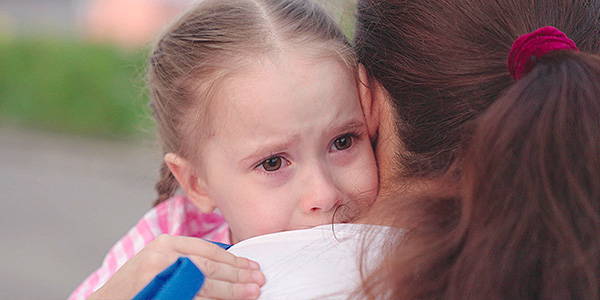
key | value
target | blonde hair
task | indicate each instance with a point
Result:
(211, 41)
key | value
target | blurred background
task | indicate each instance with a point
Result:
(78, 157)
(78, 153)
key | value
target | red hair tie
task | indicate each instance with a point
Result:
(530, 47)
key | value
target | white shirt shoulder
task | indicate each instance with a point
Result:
(322, 262)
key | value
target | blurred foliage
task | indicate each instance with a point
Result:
(69, 85)
(344, 12)
(74, 87)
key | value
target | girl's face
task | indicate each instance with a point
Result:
(290, 148)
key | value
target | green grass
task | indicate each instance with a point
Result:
(73, 87)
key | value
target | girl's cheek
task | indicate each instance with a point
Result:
(368, 178)
(348, 158)
(367, 183)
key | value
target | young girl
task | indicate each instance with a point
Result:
(257, 108)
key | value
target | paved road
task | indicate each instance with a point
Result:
(35, 16)
(64, 201)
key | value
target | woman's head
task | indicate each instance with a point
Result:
(442, 63)
(521, 157)
(215, 40)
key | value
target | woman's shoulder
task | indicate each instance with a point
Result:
(320, 262)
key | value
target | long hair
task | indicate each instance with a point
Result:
(525, 156)
(444, 62)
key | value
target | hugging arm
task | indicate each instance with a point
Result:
(226, 276)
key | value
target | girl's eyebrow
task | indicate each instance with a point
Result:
(352, 124)
(280, 146)
(270, 147)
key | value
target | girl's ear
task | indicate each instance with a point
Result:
(193, 186)
(368, 91)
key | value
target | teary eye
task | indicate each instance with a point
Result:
(343, 142)
(272, 163)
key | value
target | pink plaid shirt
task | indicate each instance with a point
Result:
(176, 216)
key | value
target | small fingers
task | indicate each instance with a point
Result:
(224, 272)
(189, 246)
(217, 289)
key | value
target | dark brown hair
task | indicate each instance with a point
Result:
(444, 62)
(211, 41)
(526, 155)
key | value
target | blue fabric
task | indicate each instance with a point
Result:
(224, 246)
(180, 281)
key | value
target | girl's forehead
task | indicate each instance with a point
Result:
(286, 59)
(271, 79)
(291, 94)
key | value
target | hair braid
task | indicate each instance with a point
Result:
(166, 186)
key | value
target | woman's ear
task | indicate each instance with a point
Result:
(369, 101)
(193, 185)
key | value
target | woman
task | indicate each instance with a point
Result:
(525, 151)
(499, 189)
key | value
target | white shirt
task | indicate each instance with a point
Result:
(323, 262)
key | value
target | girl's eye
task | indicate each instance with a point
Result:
(343, 142)
(272, 164)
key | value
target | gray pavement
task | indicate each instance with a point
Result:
(64, 202)
(58, 17)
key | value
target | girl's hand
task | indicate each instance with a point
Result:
(226, 275)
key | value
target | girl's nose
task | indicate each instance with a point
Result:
(322, 195)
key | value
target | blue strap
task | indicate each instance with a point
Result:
(224, 246)
(182, 280)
